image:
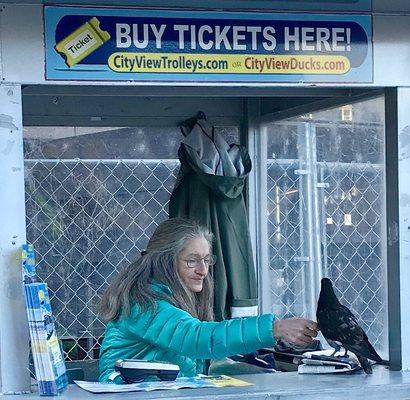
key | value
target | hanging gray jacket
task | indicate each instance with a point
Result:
(209, 189)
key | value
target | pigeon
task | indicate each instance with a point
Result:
(341, 329)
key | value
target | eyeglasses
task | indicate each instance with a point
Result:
(197, 262)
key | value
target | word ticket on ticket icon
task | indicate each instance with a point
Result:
(82, 42)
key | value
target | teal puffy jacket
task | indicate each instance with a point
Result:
(173, 335)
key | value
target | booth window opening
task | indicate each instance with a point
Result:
(95, 195)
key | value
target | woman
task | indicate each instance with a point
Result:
(160, 308)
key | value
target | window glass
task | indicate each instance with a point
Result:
(326, 212)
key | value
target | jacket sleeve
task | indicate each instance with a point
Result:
(174, 329)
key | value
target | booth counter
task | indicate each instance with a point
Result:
(382, 384)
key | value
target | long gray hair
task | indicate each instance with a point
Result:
(158, 265)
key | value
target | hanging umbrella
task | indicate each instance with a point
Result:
(209, 189)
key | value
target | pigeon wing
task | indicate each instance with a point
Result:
(336, 322)
(353, 337)
(364, 348)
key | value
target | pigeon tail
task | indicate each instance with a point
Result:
(364, 362)
(372, 352)
(384, 362)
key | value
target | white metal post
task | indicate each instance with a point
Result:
(254, 193)
(307, 153)
(317, 226)
(14, 350)
(265, 284)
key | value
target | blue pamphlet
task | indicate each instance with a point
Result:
(48, 358)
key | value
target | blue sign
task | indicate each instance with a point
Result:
(102, 44)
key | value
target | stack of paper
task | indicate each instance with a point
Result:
(48, 360)
(319, 362)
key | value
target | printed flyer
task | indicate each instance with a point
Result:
(103, 44)
(200, 381)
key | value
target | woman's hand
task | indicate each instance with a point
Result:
(297, 331)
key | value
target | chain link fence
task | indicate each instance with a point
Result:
(326, 209)
(352, 242)
(351, 246)
(285, 238)
(87, 219)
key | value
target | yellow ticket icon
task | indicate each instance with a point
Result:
(82, 42)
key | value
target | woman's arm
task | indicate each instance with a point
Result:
(174, 329)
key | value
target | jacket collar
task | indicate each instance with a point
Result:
(161, 288)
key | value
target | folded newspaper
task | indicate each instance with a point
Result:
(323, 362)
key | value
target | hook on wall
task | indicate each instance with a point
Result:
(188, 124)
(201, 115)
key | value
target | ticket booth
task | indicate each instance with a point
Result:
(92, 99)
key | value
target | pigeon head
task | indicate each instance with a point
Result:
(326, 283)
(327, 295)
